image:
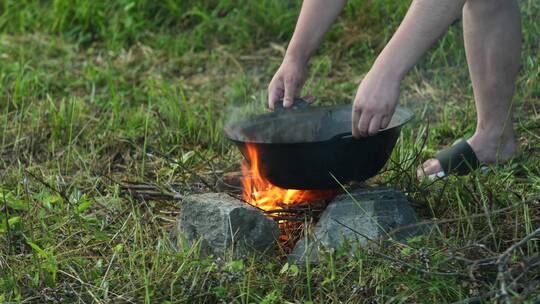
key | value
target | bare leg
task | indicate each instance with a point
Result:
(492, 33)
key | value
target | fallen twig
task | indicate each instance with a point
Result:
(153, 152)
(502, 262)
(50, 187)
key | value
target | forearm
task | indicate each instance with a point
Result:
(315, 19)
(423, 24)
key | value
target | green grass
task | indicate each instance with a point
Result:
(86, 87)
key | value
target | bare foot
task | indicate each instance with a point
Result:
(487, 149)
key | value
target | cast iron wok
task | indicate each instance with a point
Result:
(311, 147)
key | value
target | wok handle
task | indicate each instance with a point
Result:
(344, 135)
(298, 103)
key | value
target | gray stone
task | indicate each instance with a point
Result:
(369, 216)
(224, 224)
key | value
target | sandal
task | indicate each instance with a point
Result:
(459, 159)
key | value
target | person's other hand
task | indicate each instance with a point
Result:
(287, 82)
(375, 102)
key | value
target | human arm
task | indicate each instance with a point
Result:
(378, 93)
(315, 19)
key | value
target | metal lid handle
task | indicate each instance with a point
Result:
(298, 103)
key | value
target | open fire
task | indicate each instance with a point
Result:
(261, 193)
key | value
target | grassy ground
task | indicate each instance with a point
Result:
(86, 87)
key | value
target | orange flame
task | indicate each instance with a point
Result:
(261, 193)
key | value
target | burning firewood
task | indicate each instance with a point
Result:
(259, 192)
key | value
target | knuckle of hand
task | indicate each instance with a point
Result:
(370, 109)
(377, 109)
